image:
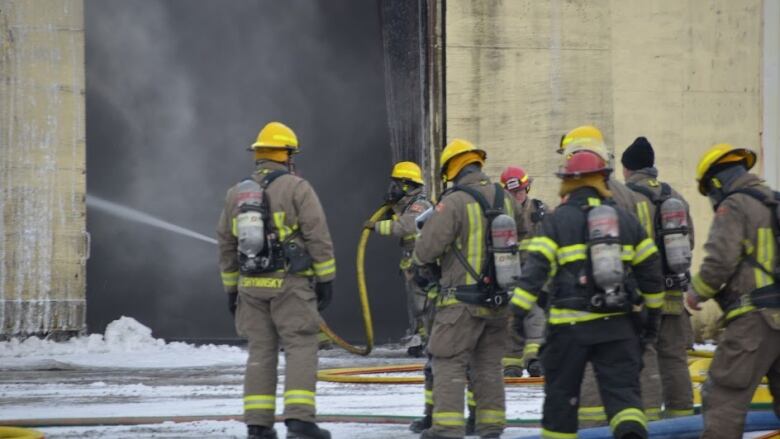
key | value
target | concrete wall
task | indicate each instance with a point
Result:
(42, 166)
(685, 74)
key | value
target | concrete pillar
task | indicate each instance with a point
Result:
(43, 245)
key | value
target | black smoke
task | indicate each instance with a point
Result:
(176, 90)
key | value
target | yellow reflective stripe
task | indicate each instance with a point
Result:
(736, 312)
(448, 301)
(261, 282)
(429, 397)
(260, 402)
(764, 256)
(509, 209)
(490, 416)
(281, 227)
(628, 253)
(561, 316)
(524, 244)
(644, 250)
(301, 397)
(475, 240)
(324, 268)
(594, 202)
(701, 287)
(654, 300)
(229, 278)
(433, 293)
(592, 414)
(643, 212)
(448, 418)
(415, 259)
(470, 399)
(549, 434)
(677, 413)
(511, 361)
(384, 227)
(630, 414)
(531, 349)
(653, 414)
(523, 299)
(234, 227)
(545, 246)
(571, 253)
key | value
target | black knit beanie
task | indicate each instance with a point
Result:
(639, 155)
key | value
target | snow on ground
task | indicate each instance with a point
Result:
(128, 373)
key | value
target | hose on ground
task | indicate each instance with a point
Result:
(19, 433)
(362, 291)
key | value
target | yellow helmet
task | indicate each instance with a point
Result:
(276, 135)
(407, 171)
(718, 154)
(584, 138)
(456, 148)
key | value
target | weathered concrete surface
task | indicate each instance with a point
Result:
(42, 166)
(685, 74)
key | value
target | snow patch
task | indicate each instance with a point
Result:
(125, 344)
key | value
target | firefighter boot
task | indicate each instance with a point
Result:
(305, 430)
(418, 425)
(428, 434)
(535, 368)
(471, 422)
(630, 430)
(260, 432)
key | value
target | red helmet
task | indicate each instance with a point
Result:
(583, 163)
(514, 177)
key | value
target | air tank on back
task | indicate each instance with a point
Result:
(506, 256)
(677, 245)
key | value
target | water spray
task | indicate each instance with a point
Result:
(143, 218)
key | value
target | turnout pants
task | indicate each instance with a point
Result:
(749, 350)
(591, 412)
(466, 336)
(673, 365)
(612, 347)
(272, 318)
(416, 306)
(523, 350)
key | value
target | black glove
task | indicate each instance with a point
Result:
(324, 292)
(426, 276)
(232, 299)
(518, 323)
(650, 330)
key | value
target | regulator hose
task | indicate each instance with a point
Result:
(362, 290)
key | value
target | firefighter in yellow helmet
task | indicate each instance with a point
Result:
(277, 263)
(590, 138)
(600, 260)
(739, 271)
(470, 325)
(407, 198)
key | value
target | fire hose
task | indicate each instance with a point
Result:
(362, 291)
(19, 433)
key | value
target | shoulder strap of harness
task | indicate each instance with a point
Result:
(770, 202)
(270, 177)
(666, 192)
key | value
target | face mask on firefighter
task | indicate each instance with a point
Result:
(396, 190)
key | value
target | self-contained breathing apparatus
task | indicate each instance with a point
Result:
(259, 248)
(500, 272)
(605, 251)
(769, 296)
(671, 235)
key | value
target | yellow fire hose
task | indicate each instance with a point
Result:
(356, 375)
(19, 433)
(362, 290)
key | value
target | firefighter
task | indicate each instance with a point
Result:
(277, 264)
(407, 198)
(591, 413)
(600, 259)
(656, 215)
(739, 271)
(470, 325)
(524, 349)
